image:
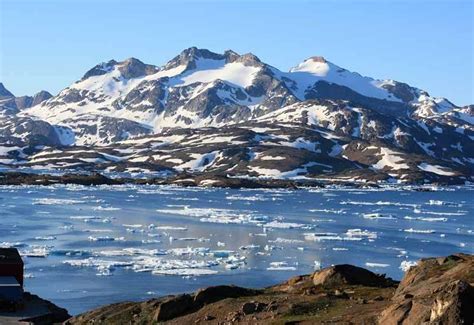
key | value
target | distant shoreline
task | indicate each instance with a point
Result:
(202, 180)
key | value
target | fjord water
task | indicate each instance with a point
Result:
(88, 246)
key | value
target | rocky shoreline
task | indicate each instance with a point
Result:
(185, 180)
(34, 310)
(436, 291)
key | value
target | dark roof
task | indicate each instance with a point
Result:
(10, 256)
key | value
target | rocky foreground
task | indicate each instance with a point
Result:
(32, 310)
(436, 291)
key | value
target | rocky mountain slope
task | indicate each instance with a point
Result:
(10, 104)
(436, 291)
(231, 114)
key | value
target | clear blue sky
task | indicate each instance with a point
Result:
(48, 44)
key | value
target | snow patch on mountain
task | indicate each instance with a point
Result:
(391, 159)
(314, 69)
(208, 70)
(436, 169)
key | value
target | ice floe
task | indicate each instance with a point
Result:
(428, 219)
(334, 211)
(376, 265)
(419, 211)
(285, 225)
(211, 215)
(185, 272)
(45, 238)
(381, 203)
(359, 233)
(237, 197)
(445, 203)
(170, 228)
(280, 266)
(406, 265)
(377, 216)
(286, 241)
(52, 201)
(349, 235)
(36, 251)
(105, 238)
(91, 219)
(420, 231)
(101, 208)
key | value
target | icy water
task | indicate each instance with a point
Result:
(88, 246)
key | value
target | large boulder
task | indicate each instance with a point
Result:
(212, 294)
(454, 304)
(436, 291)
(174, 307)
(345, 274)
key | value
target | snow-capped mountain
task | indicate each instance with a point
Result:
(233, 114)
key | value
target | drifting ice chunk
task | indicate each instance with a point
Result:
(446, 203)
(369, 264)
(45, 238)
(280, 266)
(91, 219)
(283, 225)
(426, 219)
(36, 251)
(317, 265)
(326, 236)
(106, 238)
(185, 272)
(420, 231)
(361, 233)
(48, 201)
(171, 228)
(101, 208)
(406, 265)
(249, 247)
(285, 241)
(376, 216)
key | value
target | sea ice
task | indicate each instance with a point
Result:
(406, 265)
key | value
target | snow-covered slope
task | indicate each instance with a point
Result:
(358, 118)
(315, 69)
(192, 89)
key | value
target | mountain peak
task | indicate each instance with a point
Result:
(189, 56)
(316, 64)
(4, 92)
(319, 59)
(131, 60)
(40, 97)
(231, 56)
(230, 52)
(100, 69)
(194, 52)
(250, 59)
(134, 68)
(129, 68)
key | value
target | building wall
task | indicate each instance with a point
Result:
(11, 293)
(11, 269)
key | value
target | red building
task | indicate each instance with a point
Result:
(11, 264)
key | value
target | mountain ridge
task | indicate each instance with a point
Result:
(360, 123)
